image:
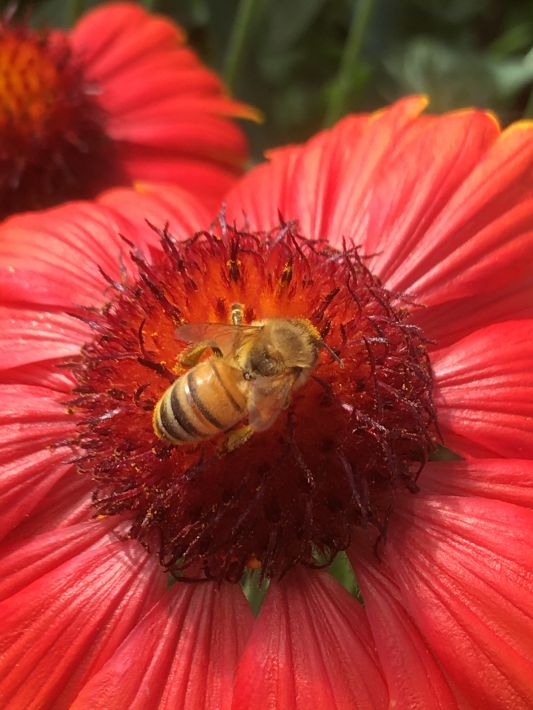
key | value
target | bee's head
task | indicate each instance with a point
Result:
(265, 360)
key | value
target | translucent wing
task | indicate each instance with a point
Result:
(267, 398)
(226, 337)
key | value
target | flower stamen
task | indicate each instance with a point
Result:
(350, 437)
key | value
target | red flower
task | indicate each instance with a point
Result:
(413, 241)
(117, 99)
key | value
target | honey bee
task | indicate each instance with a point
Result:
(251, 373)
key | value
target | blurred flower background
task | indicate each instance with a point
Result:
(305, 63)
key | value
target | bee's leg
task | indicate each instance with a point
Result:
(192, 355)
(238, 437)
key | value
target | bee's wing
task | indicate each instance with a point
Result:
(268, 396)
(226, 337)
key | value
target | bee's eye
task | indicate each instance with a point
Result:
(269, 367)
(263, 362)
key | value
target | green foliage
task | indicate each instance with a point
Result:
(306, 62)
(254, 589)
(343, 572)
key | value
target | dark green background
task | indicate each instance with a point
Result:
(304, 63)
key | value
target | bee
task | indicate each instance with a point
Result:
(250, 374)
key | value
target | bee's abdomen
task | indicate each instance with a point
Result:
(201, 403)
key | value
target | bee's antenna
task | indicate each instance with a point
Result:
(334, 355)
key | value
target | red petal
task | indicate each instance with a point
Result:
(54, 257)
(183, 654)
(422, 173)
(25, 482)
(442, 203)
(51, 258)
(59, 631)
(30, 421)
(164, 108)
(178, 69)
(507, 480)
(211, 181)
(67, 502)
(21, 565)
(43, 374)
(483, 239)
(464, 567)
(414, 677)
(159, 205)
(154, 102)
(326, 183)
(472, 265)
(485, 391)
(118, 34)
(28, 336)
(311, 647)
(260, 196)
(451, 320)
(189, 137)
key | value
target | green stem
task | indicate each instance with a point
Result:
(528, 113)
(75, 9)
(238, 40)
(343, 83)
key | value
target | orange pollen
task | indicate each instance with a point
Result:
(253, 563)
(29, 84)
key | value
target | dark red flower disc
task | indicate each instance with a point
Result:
(53, 142)
(353, 434)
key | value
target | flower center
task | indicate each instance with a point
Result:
(52, 139)
(29, 82)
(345, 412)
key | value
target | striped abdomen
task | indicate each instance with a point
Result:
(200, 404)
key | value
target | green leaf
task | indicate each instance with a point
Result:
(254, 590)
(341, 568)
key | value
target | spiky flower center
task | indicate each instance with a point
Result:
(352, 435)
(53, 144)
(29, 83)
